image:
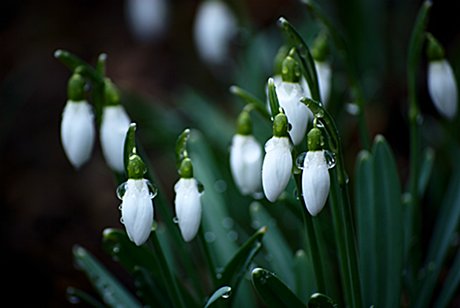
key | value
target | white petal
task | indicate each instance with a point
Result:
(115, 124)
(77, 132)
(215, 26)
(323, 69)
(246, 164)
(276, 168)
(188, 207)
(315, 181)
(147, 18)
(289, 95)
(137, 211)
(443, 88)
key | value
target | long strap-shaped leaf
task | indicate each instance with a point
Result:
(272, 291)
(110, 289)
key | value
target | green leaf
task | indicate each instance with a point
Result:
(148, 290)
(181, 147)
(236, 268)
(451, 284)
(319, 300)
(77, 296)
(221, 293)
(389, 225)
(272, 291)
(273, 98)
(281, 258)
(75, 63)
(303, 52)
(111, 291)
(444, 232)
(366, 221)
(251, 100)
(304, 275)
(425, 170)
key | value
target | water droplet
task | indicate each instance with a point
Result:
(419, 119)
(219, 275)
(319, 113)
(319, 124)
(116, 249)
(297, 195)
(121, 190)
(122, 221)
(120, 207)
(71, 297)
(153, 190)
(228, 293)
(352, 108)
(299, 161)
(232, 236)
(200, 187)
(228, 222)
(220, 186)
(175, 220)
(209, 237)
(330, 159)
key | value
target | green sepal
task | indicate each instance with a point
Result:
(130, 144)
(320, 49)
(434, 49)
(181, 147)
(136, 167)
(273, 98)
(186, 168)
(111, 92)
(76, 88)
(244, 124)
(280, 125)
(290, 71)
(315, 139)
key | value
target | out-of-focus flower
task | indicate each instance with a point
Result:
(443, 88)
(147, 18)
(215, 26)
(115, 124)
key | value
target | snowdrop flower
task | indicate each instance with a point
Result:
(289, 93)
(315, 175)
(441, 80)
(77, 127)
(246, 157)
(323, 71)
(277, 164)
(215, 26)
(187, 202)
(137, 205)
(147, 18)
(115, 124)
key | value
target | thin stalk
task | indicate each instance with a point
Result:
(312, 243)
(168, 276)
(413, 60)
(207, 254)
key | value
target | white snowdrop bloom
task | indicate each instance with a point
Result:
(276, 167)
(188, 207)
(77, 131)
(443, 88)
(114, 126)
(246, 163)
(323, 69)
(215, 26)
(289, 95)
(137, 210)
(315, 181)
(147, 18)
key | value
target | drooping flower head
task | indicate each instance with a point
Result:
(147, 18)
(187, 201)
(114, 126)
(315, 175)
(289, 92)
(215, 26)
(246, 157)
(442, 85)
(277, 164)
(77, 127)
(137, 204)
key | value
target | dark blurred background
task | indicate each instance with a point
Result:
(47, 206)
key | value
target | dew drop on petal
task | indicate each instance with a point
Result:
(175, 220)
(232, 235)
(330, 159)
(319, 113)
(121, 190)
(228, 222)
(299, 161)
(122, 221)
(153, 190)
(209, 237)
(228, 293)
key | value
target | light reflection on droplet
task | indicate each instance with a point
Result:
(209, 237)
(330, 159)
(299, 161)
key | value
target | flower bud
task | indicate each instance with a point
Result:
(315, 181)
(77, 131)
(246, 163)
(323, 71)
(137, 210)
(443, 88)
(276, 167)
(215, 26)
(114, 126)
(188, 207)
